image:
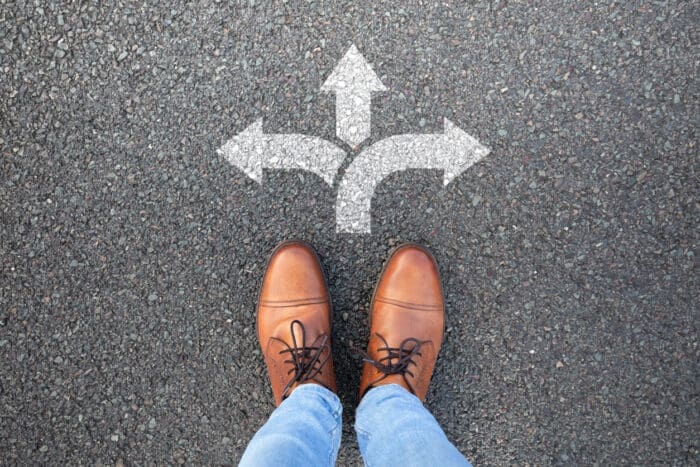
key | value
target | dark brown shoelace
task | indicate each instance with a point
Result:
(403, 356)
(306, 360)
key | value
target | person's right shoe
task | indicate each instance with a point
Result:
(407, 318)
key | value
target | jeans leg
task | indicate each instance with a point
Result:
(394, 428)
(304, 430)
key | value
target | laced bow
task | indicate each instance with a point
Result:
(306, 361)
(397, 360)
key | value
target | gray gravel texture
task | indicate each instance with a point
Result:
(132, 252)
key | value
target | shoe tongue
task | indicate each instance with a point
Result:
(298, 334)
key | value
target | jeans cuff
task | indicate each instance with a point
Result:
(387, 391)
(309, 390)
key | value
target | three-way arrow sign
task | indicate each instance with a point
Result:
(353, 81)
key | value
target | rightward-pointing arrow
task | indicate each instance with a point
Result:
(453, 151)
(252, 150)
(353, 82)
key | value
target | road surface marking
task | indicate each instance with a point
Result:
(353, 81)
(452, 151)
(251, 150)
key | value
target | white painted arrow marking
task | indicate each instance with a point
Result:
(251, 150)
(353, 82)
(454, 151)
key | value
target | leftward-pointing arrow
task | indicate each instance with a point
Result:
(353, 81)
(453, 151)
(252, 150)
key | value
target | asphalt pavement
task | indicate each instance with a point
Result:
(131, 251)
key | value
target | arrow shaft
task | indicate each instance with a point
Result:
(353, 116)
(371, 166)
(296, 151)
(252, 150)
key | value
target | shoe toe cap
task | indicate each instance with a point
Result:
(293, 274)
(411, 275)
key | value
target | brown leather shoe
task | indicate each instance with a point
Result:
(407, 317)
(294, 320)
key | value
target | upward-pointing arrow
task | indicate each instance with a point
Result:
(353, 81)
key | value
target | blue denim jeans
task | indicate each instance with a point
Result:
(393, 428)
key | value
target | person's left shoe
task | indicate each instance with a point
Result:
(294, 320)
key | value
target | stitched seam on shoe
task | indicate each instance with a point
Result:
(409, 305)
(288, 303)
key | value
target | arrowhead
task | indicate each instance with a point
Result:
(353, 72)
(246, 150)
(463, 151)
